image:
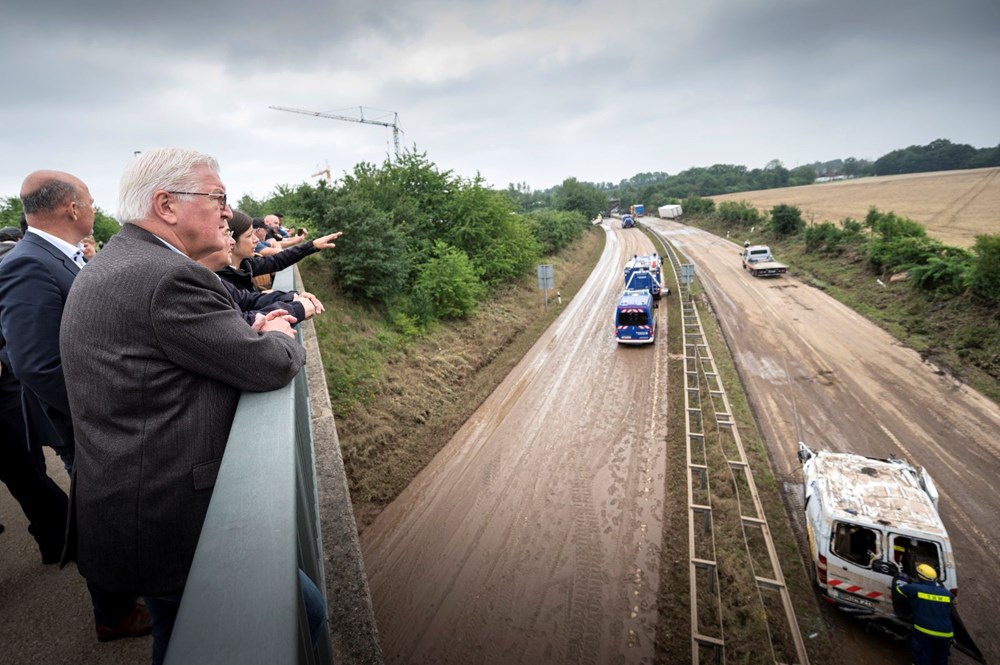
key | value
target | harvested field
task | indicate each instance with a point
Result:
(954, 206)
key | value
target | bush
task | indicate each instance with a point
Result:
(824, 238)
(984, 277)
(739, 214)
(944, 275)
(695, 205)
(827, 238)
(890, 226)
(447, 286)
(555, 229)
(786, 220)
(902, 252)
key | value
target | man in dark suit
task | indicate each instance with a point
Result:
(154, 377)
(43, 502)
(22, 470)
(35, 279)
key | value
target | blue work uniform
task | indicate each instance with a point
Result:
(932, 630)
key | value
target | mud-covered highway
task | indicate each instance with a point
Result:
(533, 536)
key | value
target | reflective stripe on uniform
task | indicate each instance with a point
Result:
(933, 597)
(933, 633)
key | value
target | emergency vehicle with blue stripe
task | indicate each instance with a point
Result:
(635, 318)
(643, 272)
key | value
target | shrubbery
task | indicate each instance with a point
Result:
(696, 205)
(556, 229)
(984, 275)
(786, 220)
(419, 241)
(739, 214)
(828, 238)
(447, 286)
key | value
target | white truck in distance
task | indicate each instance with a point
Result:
(758, 260)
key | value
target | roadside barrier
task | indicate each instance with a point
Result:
(242, 603)
(712, 435)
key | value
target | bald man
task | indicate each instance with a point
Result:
(276, 233)
(35, 278)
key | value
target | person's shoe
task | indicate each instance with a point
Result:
(136, 624)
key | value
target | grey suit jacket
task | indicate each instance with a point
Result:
(155, 357)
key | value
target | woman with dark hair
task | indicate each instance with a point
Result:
(246, 264)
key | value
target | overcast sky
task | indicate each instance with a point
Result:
(518, 91)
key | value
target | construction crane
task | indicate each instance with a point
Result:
(325, 171)
(361, 112)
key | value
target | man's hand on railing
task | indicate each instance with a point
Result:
(275, 321)
(311, 304)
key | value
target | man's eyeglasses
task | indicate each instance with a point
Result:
(220, 198)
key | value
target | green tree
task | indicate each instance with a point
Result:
(582, 197)
(250, 206)
(105, 226)
(801, 175)
(370, 261)
(786, 220)
(555, 229)
(10, 211)
(447, 286)
(482, 224)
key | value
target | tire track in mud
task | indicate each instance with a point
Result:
(878, 398)
(498, 552)
(959, 205)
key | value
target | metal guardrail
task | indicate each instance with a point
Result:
(242, 602)
(704, 395)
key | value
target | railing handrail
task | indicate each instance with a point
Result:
(242, 602)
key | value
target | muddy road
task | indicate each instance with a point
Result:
(817, 372)
(534, 535)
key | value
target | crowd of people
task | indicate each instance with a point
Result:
(128, 361)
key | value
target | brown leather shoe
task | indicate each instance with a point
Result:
(136, 624)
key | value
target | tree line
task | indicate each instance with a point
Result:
(655, 189)
(419, 241)
(429, 245)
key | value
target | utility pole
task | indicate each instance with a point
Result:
(361, 118)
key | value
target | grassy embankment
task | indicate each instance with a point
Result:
(745, 638)
(397, 400)
(959, 335)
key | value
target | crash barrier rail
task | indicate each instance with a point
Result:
(704, 394)
(242, 602)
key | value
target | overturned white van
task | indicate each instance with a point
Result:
(868, 521)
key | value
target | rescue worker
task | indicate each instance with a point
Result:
(930, 603)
